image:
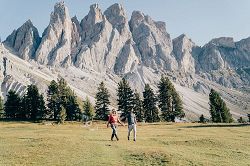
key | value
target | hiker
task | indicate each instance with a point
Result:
(113, 119)
(131, 123)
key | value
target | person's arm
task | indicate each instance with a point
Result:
(108, 122)
(120, 122)
(135, 120)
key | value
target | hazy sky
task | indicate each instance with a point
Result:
(201, 20)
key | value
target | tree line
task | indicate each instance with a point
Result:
(165, 106)
(62, 104)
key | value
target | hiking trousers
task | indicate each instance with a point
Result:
(114, 128)
(130, 128)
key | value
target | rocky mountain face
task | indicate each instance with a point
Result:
(108, 45)
(153, 42)
(183, 51)
(55, 47)
(25, 40)
(226, 62)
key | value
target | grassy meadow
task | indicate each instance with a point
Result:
(23, 143)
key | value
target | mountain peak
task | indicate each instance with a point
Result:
(116, 15)
(28, 22)
(182, 48)
(94, 6)
(223, 42)
(183, 38)
(116, 9)
(60, 5)
(60, 11)
(24, 40)
(94, 16)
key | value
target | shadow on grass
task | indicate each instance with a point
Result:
(218, 125)
(101, 140)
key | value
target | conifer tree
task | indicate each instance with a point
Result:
(177, 106)
(62, 115)
(41, 108)
(72, 107)
(102, 102)
(149, 105)
(165, 98)
(202, 119)
(53, 100)
(23, 106)
(218, 109)
(138, 107)
(1, 108)
(63, 91)
(34, 103)
(67, 99)
(12, 105)
(61, 96)
(169, 100)
(88, 108)
(241, 120)
(213, 102)
(125, 97)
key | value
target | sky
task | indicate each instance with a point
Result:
(200, 20)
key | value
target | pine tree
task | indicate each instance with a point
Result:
(218, 109)
(202, 119)
(23, 108)
(177, 106)
(165, 99)
(61, 96)
(102, 102)
(149, 105)
(34, 103)
(62, 115)
(125, 97)
(63, 92)
(169, 101)
(213, 102)
(68, 100)
(226, 115)
(12, 105)
(241, 120)
(138, 107)
(88, 108)
(53, 100)
(1, 108)
(41, 108)
(72, 107)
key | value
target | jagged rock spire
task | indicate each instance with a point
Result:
(116, 15)
(24, 40)
(152, 41)
(182, 48)
(55, 47)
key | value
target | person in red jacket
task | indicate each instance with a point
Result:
(113, 119)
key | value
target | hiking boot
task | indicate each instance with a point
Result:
(116, 137)
(134, 140)
(128, 138)
(112, 137)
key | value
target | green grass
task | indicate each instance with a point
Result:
(157, 144)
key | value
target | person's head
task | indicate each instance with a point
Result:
(114, 111)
